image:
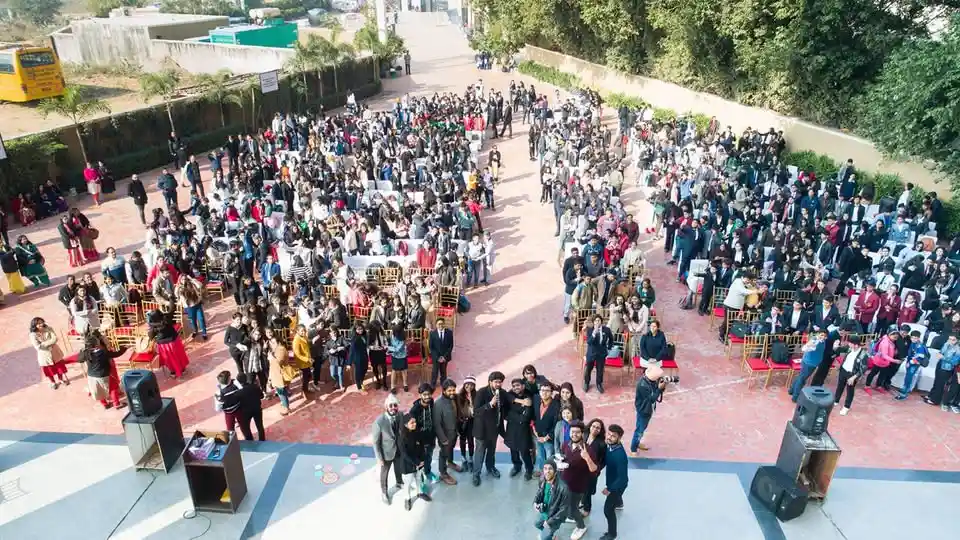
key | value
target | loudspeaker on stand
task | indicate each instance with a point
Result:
(143, 392)
(813, 410)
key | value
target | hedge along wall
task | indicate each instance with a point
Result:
(802, 135)
(136, 141)
(823, 166)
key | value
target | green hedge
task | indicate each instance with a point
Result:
(28, 163)
(550, 75)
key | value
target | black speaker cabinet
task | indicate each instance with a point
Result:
(810, 460)
(813, 410)
(155, 442)
(143, 392)
(779, 493)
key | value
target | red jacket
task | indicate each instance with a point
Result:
(866, 308)
(427, 258)
(889, 307)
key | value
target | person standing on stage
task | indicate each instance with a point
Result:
(488, 424)
(581, 465)
(617, 479)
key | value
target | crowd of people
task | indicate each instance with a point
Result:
(774, 250)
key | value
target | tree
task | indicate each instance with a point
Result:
(911, 112)
(75, 106)
(39, 12)
(251, 87)
(368, 39)
(306, 58)
(338, 52)
(102, 8)
(164, 85)
(217, 88)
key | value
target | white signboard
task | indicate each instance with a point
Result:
(3, 150)
(270, 81)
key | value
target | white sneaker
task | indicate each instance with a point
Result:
(844, 411)
(577, 534)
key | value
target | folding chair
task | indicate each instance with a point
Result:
(358, 313)
(793, 344)
(735, 317)
(716, 304)
(580, 319)
(670, 366)
(214, 282)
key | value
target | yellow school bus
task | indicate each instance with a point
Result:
(29, 73)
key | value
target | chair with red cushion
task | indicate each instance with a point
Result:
(716, 305)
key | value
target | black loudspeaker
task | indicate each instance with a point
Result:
(779, 493)
(143, 393)
(813, 410)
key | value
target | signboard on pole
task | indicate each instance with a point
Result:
(3, 149)
(270, 81)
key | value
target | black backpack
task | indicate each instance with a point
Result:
(779, 353)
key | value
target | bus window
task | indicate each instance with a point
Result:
(36, 59)
(6, 63)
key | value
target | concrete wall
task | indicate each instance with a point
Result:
(197, 57)
(800, 135)
(184, 30)
(92, 43)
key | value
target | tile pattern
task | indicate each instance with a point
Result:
(514, 321)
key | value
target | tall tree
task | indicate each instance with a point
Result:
(162, 84)
(339, 52)
(306, 58)
(911, 111)
(75, 106)
(217, 88)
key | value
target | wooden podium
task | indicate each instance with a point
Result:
(810, 460)
(218, 483)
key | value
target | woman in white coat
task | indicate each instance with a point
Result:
(49, 354)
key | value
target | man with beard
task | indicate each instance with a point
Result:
(422, 410)
(517, 435)
(488, 419)
(445, 425)
(581, 465)
(386, 433)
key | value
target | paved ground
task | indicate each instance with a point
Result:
(711, 415)
(331, 491)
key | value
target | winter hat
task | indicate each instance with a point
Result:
(470, 379)
(391, 400)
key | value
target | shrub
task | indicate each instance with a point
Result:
(806, 160)
(550, 75)
(30, 159)
(701, 120)
(617, 100)
(662, 114)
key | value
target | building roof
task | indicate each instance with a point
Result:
(154, 19)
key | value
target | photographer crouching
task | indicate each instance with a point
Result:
(649, 393)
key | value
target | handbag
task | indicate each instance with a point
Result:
(93, 233)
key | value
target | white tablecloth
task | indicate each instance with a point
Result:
(365, 261)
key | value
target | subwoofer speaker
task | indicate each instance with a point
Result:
(813, 410)
(142, 391)
(779, 493)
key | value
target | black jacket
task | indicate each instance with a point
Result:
(139, 194)
(559, 502)
(517, 434)
(488, 420)
(543, 424)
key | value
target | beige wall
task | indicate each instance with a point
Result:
(187, 29)
(800, 135)
(197, 57)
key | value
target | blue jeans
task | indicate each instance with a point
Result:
(197, 319)
(544, 453)
(908, 379)
(336, 372)
(284, 396)
(805, 373)
(473, 273)
(546, 531)
(642, 423)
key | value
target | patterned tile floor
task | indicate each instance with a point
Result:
(516, 320)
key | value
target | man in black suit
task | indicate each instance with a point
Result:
(774, 322)
(691, 243)
(795, 319)
(441, 351)
(724, 274)
(491, 407)
(599, 342)
(826, 314)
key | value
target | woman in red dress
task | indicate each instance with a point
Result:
(93, 179)
(170, 348)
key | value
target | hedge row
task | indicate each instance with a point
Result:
(885, 184)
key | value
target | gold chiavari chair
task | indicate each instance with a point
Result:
(617, 360)
(784, 298)
(581, 318)
(214, 279)
(753, 360)
(717, 308)
(794, 348)
(737, 317)
(417, 354)
(446, 307)
(358, 313)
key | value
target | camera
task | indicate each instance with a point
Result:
(669, 379)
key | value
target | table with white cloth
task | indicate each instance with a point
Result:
(923, 381)
(366, 261)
